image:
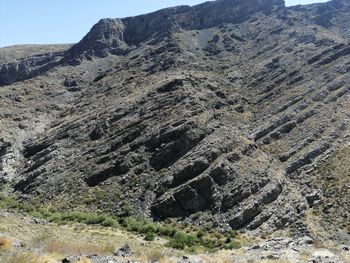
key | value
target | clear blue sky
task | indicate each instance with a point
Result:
(67, 21)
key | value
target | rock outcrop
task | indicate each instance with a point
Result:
(215, 113)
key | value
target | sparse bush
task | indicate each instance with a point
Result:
(149, 228)
(150, 236)
(2, 197)
(211, 243)
(131, 224)
(232, 233)
(109, 222)
(180, 236)
(36, 214)
(45, 213)
(181, 240)
(232, 245)
(200, 234)
(166, 231)
(94, 219)
(55, 217)
(127, 209)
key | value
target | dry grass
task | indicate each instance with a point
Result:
(84, 260)
(257, 260)
(346, 257)
(305, 255)
(155, 255)
(77, 248)
(6, 243)
(149, 254)
(29, 258)
(53, 242)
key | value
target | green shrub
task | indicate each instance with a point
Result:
(182, 240)
(122, 221)
(211, 243)
(55, 217)
(94, 219)
(149, 228)
(231, 233)
(192, 250)
(232, 245)
(2, 197)
(150, 236)
(178, 239)
(166, 231)
(36, 214)
(109, 222)
(77, 216)
(200, 234)
(20, 206)
(132, 224)
(127, 209)
(45, 213)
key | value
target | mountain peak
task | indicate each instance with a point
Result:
(115, 36)
(104, 38)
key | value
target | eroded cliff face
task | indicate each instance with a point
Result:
(120, 36)
(216, 113)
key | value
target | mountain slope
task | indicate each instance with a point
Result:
(216, 113)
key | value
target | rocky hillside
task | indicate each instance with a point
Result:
(228, 114)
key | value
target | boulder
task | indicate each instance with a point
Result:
(124, 251)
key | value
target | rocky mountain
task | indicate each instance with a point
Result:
(231, 113)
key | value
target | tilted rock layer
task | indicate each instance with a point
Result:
(218, 113)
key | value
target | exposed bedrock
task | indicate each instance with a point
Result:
(220, 113)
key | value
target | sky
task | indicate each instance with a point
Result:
(67, 21)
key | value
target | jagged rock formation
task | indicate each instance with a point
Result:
(213, 113)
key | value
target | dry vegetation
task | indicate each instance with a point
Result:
(57, 241)
(178, 236)
(5, 243)
(49, 242)
(23, 239)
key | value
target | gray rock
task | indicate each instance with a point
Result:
(124, 251)
(70, 82)
(197, 113)
(313, 198)
(306, 240)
